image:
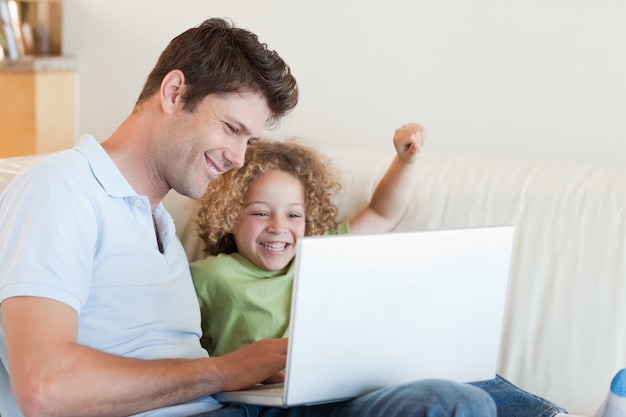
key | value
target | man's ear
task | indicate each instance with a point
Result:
(172, 89)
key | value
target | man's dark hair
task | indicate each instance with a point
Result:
(217, 58)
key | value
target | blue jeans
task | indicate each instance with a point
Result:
(423, 398)
(426, 398)
(515, 402)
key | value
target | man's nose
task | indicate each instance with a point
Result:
(236, 154)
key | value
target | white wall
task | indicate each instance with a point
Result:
(535, 78)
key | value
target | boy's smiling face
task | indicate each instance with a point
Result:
(271, 220)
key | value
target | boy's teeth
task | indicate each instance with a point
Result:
(275, 246)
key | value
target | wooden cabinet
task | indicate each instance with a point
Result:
(37, 105)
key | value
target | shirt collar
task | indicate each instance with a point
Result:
(104, 169)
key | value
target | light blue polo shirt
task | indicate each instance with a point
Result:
(74, 230)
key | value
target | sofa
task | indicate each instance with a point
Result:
(564, 332)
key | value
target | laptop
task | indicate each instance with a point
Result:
(370, 311)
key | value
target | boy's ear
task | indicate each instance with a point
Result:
(172, 89)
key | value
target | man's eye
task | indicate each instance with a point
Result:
(232, 128)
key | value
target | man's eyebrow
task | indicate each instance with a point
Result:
(244, 130)
(242, 126)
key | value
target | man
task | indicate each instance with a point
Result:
(98, 312)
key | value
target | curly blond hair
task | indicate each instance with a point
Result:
(217, 211)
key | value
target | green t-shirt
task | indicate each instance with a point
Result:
(241, 303)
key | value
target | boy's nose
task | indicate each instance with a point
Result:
(276, 225)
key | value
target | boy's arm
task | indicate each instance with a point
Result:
(392, 194)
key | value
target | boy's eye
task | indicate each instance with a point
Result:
(260, 214)
(294, 215)
(232, 128)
